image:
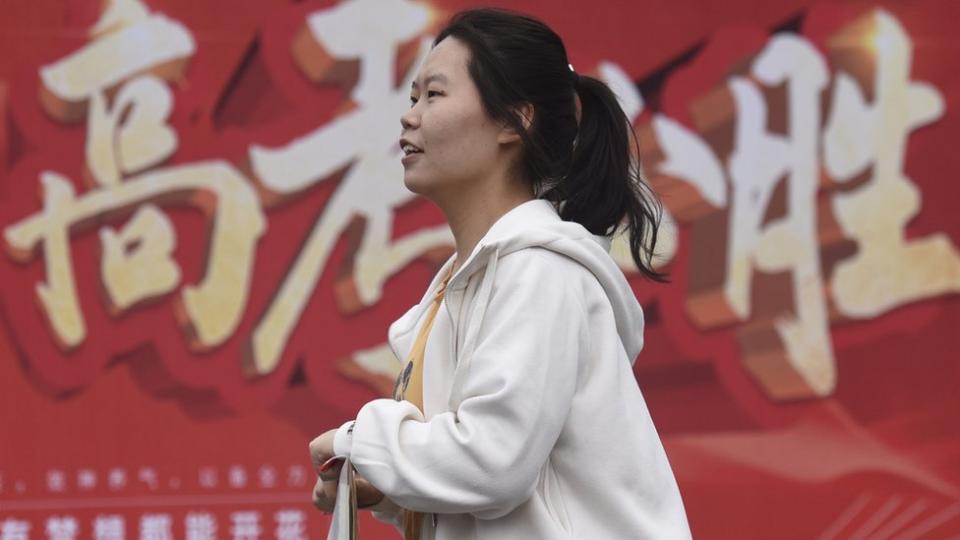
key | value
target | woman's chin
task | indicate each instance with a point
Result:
(415, 184)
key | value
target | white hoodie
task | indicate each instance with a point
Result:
(533, 424)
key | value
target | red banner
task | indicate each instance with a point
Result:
(206, 236)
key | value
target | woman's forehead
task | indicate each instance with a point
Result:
(445, 62)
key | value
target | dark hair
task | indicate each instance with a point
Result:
(585, 168)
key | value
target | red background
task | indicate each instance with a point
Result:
(883, 447)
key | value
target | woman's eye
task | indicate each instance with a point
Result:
(430, 94)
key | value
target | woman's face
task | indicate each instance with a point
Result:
(454, 143)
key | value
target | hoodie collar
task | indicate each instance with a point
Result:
(531, 214)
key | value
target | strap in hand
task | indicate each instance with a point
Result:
(344, 523)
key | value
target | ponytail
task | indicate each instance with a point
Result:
(603, 189)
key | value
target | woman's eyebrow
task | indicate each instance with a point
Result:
(439, 77)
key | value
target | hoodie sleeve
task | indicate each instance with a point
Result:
(485, 457)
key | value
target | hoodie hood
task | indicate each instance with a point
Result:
(536, 224)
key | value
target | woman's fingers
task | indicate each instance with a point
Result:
(367, 495)
(321, 448)
(325, 491)
(331, 473)
(325, 495)
(330, 490)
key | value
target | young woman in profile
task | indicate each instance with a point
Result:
(517, 414)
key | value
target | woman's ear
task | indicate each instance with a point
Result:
(509, 134)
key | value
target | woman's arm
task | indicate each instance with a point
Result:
(484, 458)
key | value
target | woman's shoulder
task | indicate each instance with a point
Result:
(541, 268)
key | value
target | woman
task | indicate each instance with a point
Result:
(518, 414)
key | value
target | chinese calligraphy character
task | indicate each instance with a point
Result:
(108, 527)
(237, 476)
(763, 136)
(365, 139)
(207, 476)
(117, 479)
(86, 479)
(148, 475)
(156, 527)
(200, 526)
(56, 481)
(126, 137)
(888, 270)
(14, 529)
(291, 525)
(267, 476)
(61, 528)
(296, 476)
(245, 525)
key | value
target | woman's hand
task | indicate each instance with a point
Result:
(321, 449)
(325, 490)
(367, 495)
(325, 494)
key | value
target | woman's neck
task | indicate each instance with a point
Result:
(471, 215)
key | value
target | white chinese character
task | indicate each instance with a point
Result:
(14, 529)
(208, 477)
(365, 139)
(201, 526)
(245, 525)
(108, 527)
(890, 268)
(86, 479)
(296, 476)
(155, 527)
(76, 87)
(291, 525)
(267, 476)
(148, 475)
(61, 528)
(117, 479)
(128, 134)
(238, 476)
(56, 481)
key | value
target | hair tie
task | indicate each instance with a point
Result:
(574, 76)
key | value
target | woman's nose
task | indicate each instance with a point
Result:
(409, 120)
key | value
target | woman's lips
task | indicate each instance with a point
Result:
(410, 158)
